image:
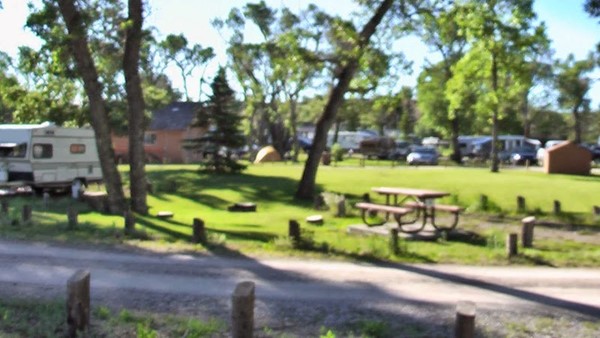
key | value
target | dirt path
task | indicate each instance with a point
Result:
(301, 296)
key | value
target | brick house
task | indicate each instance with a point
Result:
(164, 137)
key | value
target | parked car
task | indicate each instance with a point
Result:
(401, 151)
(523, 155)
(595, 150)
(422, 155)
(541, 153)
(304, 143)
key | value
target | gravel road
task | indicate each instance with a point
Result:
(299, 297)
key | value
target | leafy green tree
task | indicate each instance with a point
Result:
(550, 124)
(136, 106)
(224, 133)
(187, 58)
(48, 91)
(306, 187)
(298, 68)
(503, 37)
(592, 7)
(110, 62)
(573, 84)
(85, 66)
(10, 89)
(441, 31)
(276, 69)
(353, 45)
(253, 65)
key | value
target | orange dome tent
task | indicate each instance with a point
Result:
(267, 154)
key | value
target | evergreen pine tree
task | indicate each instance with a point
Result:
(224, 133)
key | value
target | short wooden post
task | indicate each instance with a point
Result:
(465, 320)
(242, 310)
(198, 231)
(557, 209)
(4, 206)
(511, 244)
(294, 232)
(394, 248)
(483, 202)
(26, 213)
(78, 303)
(341, 207)
(521, 203)
(129, 218)
(72, 215)
(528, 224)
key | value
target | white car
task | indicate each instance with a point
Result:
(541, 153)
(422, 155)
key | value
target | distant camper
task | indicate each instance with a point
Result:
(46, 157)
(481, 146)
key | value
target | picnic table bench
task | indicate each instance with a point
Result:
(431, 209)
(366, 208)
(416, 202)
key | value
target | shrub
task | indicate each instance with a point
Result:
(337, 152)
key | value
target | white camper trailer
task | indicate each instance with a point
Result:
(45, 156)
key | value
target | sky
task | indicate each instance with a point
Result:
(568, 26)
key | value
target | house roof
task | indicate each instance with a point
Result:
(175, 116)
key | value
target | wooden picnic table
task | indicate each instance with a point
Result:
(421, 202)
(420, 195)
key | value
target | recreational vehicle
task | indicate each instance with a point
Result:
(349, 140)
(481, 147)
(45, 156)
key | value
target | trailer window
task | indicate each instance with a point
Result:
(13, 150)
(41, 150)
(77, 148)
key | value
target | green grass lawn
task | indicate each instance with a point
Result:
(188, 194)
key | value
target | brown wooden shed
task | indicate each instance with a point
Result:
(568, 158)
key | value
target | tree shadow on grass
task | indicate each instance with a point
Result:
(307, 245)
(529, 259)
(174, 222)
(147, 223)
(191, 185)
(467, 237)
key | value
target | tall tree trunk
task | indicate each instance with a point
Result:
(577, 124)
(263, 124)
(336, 133)
(455, 128)
(306, 187)
(279, 136)
(99, 118)
(294, 126)
(277, 131)
(526, 117)
(135, 101)
(495, 164)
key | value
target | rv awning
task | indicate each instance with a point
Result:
(8, 145)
